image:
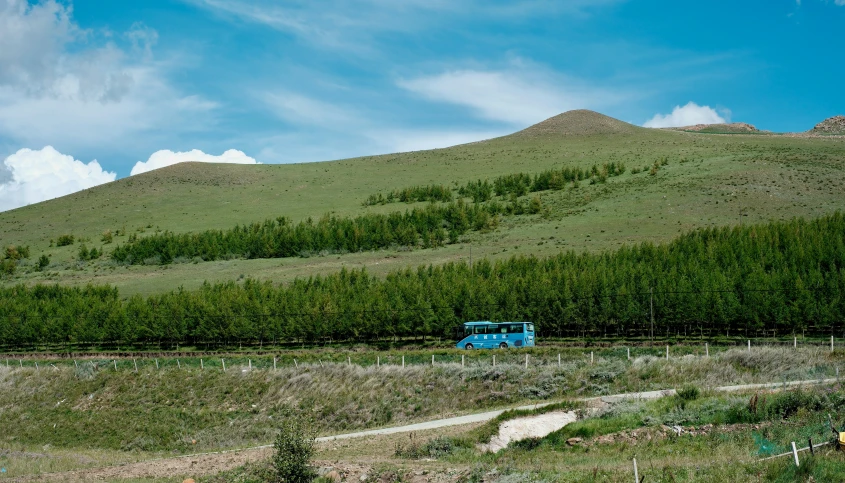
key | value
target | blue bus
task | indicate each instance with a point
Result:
(496, 335)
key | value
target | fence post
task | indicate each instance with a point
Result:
(667, 352)
(135, 361)
(526, 361)
(36, 365)
(274, 363)
(794, 342)
(156, 363)
(462, 360)
(749, 345)
(378, 361)
(202, 364)
(636, 474)
(348, 360)
(295, 363)
(74, 364)
(629, 353)
(113, 360)
(432, 359)
(706, 349)
(223, 363)
(831, 343)
(21, 361)
(403, 362)
(812, 451)
(558, 359)
(591, 358)
(795, 454)
(494, 360)
(250, 363)
(178, 364)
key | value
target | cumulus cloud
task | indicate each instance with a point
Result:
(522, 95)
(64, 85)
(688, 115)
(32, 176)
(166, 157)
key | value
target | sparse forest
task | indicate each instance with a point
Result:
(775, 278)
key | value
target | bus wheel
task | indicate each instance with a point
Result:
(503, 345)
(468, 347)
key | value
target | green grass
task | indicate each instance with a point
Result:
(710, 180)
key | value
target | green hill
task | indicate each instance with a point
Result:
(674, 182)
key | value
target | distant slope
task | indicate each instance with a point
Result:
(831, 125)
(579, 123)
(727, 128)
(706, 181)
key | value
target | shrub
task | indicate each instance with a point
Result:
(294, 447)
(107, 237)
(688, 393)
(43, 262)
(64, 240)
(14, 252)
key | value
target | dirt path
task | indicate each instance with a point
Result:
(211, 463)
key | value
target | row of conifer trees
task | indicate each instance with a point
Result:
(429, 226)
(774, 279)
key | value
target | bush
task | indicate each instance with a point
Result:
(43, 262)
(294, 447)
(107, 237)
(64, 240)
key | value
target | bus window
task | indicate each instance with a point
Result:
(502, 329)
(480, 329)
(467, 330)
(530, 327)
(515, 328)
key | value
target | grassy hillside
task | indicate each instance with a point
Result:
(707, 180)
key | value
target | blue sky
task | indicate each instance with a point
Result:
(293, 81)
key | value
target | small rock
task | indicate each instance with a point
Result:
(363, 478)
(189, 480)
(324, 470)
(333, 476)
(573, 441)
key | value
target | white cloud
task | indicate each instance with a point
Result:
(34, 176)
(300, 109)
(520, 96)
(62, 85)
(688, 115)
(165, 157)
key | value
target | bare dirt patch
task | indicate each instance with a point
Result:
(528, 427)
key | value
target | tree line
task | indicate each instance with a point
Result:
(411, 195)
(777, 278)
(429, 226)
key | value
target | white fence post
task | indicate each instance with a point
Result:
(223, 363)
(526, 361)
(156, 363)
(795, 454)
(667, 352)
(831, 343)
(432, 359)
(749, 345)
(403, 362)
(636, 474)
(135, 361)
(462, 360)
(274, 363)
(558, 359)
(114, 360)
(494, 360)
(707, 349)
(295, 363)
(250, 364)
(178, 364)
(74, 364)
(378, 361)
(629, 353)
(348, 360)
(591, 358)
(794, 342)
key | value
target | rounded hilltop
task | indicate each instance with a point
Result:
(580, 122)
(831, 125)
